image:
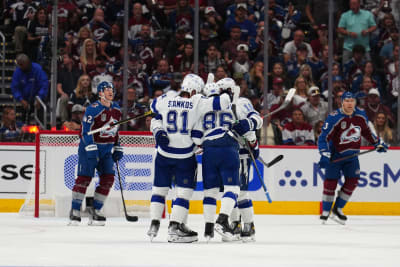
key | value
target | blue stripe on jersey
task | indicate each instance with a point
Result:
(196, 134)
(247, 203)
(182, 202)
(174, 150)
(216, 103)
(230, 195)
(251, 114)
(158, 198)
(209, 201)
(158, 117)
(153, 106)
(215, 132)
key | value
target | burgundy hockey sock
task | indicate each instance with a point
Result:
(79, 191)
(328, 194)
(101, 193)
(346, 191)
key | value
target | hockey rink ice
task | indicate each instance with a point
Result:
(282, 240)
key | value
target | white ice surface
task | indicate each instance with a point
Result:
(281, 241)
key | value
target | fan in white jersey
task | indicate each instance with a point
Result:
(220, 162)
(173, 131)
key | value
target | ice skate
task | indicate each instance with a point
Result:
(248, 232)
(236, 227)
(223, 228)
(179, 233)
(209, 231)
(96, 217)
(338, 216)
(74, 217)
(324, 217)
(153, 231)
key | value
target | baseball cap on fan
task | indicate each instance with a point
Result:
(313, 91)
(374, 91)
(277, 80)
(243, 47)
(77, 108)
(241, 5)
(209, 10)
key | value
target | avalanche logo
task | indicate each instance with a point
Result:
(352, 134)
(110, 132)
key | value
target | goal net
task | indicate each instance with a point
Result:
(56, 161)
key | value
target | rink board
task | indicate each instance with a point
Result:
(295, 183)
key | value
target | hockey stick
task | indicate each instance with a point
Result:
(210, 78)
(106, 127)
(352, 156)
(272, 162)
(129, 218)
(286, 102)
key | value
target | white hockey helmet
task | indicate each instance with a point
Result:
(226, 83)
(211, 89)
(192, 82)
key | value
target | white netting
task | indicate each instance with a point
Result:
(58, 161)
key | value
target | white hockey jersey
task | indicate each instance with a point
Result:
(178, 116)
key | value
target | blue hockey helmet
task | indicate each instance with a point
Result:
(347, 94)
(103, 85)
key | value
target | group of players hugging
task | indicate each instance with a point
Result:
(213, 119)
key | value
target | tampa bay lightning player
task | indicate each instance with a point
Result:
(98, 151)
(341, 137)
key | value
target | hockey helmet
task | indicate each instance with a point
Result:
(226, 83)
(192, 82)
(347, 94)
(103, 85)
(211, 89)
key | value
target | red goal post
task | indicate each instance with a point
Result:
(56, 168)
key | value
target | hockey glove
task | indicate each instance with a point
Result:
(255, 149)
(162, 138)
(92, 155)
(118, 153)
(381, 146)
(325, 160)
(243, 126)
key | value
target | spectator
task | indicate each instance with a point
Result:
(38, 34)
(383, 130)
(118, 86)
(176, 45)
(241, 64)
(318, 44)
(205, 38)
(306, 73)
(301, 95)
(136, 21)
(272, 134)
(374, 106)
(88, 9)
(138, 78)
(247, 27)
(77, 113)
(354, 66)
(82, 94)
(10, 129)
(278, 70)
(215, 20)
(147, 123)
(337, 103)
(97, 25)
(318, 129)
(88, 56)
(317, 12)
(111, 43)
(230, 46)
(182, 15)
(29, 81)
(184, 63)
(114, 11)
(293, 66)
(64, 7)
(277, 91)
(290, 48)
(143, 47)
(212, 59)
(356, 26)
(100, 73)
(315, 109)
(386, 52)
(162, 78)
(23, 12)
(67, 79)
(135, 109)
(387, 26)
(256, 76)
(336, 77)
(361, 95)
(368, 70)
(220, 73)
(74, 23)
(298, 132)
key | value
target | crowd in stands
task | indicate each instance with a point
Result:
(231, 44)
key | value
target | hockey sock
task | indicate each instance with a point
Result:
(181, 204)
(210, 204)
(229, 199)
(102, 190)
(157, 203)
(346, 191)
(79, 191)
(328, 194)
(245, 207)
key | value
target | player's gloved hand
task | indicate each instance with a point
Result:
(325, 160)
(92, 155)
(162, 138)
(255, 149)
(243, 126)
(381, 146)
(118, 153)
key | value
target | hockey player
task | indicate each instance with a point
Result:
(98, 151)
(172, 128)
(340, 137)
(220, 161)
(244, 110)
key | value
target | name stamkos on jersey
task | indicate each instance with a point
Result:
(180, 104)
(352, 134)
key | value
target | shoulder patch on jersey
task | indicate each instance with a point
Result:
(95, 105)
(361, 109)
(334, 113)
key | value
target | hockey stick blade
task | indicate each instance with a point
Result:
(354, 155)
(286, 102)
(272, 162)
(129, 218)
